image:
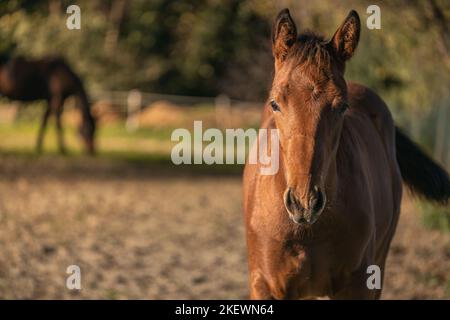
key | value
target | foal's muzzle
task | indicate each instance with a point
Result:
(305, 214)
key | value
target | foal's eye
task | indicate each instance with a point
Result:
(343, 108)
(274, 105)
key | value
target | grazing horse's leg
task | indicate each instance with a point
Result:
(42, 129)
(59, 128)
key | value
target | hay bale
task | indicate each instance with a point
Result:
(163, 114)
(8, 113)
(106, 112)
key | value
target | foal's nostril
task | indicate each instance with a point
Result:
(304, 214)
(317, 200)
(291, 202)
(288, 198)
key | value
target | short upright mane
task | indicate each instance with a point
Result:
(311, 47)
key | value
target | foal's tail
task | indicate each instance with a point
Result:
(420, 173)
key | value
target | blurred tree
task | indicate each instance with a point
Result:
(208, 47)
(116, 16)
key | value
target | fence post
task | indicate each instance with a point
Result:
(223, 110)
(134, 104)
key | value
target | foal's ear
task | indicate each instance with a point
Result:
(346, 38)
(284, 34)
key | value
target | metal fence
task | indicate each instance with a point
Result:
(131, 103)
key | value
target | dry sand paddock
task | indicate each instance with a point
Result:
(156, 233)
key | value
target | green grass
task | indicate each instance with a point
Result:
(145, 147)
(112, 130)
(435, 217)
(21, 136)
(119, 130)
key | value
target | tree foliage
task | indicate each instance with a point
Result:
(208, 47)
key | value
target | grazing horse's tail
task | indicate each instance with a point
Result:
(420, 173)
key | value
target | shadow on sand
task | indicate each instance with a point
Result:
(111, 165)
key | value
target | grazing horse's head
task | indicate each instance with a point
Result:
(309, 99)
(87, 132)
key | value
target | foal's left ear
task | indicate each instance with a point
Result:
(346, 38)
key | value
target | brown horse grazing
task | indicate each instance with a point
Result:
(331, 210)
(53, 80)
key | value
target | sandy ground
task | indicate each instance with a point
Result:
(148, 234)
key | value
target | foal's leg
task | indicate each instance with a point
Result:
(42, 129)
(259, 289)
(357, 288)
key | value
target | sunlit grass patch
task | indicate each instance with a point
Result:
(145, 147)
(20, 136)
(435, 217)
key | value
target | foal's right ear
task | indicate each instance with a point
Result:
(284, 34)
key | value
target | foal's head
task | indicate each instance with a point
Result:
(309, 99)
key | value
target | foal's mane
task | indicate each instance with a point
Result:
(311, 47)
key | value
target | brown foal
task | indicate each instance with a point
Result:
(331, 210)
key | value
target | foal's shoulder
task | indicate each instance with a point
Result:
(365, 99)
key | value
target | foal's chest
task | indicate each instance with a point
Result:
(316, 269)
